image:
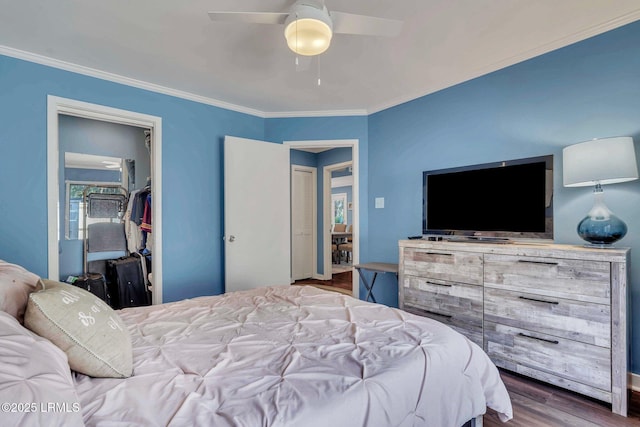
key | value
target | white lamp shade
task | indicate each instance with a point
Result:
(308, 29)
(604, 161)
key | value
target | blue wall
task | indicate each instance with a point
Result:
(192, 170)
(303, 158)
(584, 91)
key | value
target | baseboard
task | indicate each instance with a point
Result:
(634, 380)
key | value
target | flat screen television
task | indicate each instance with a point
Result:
(503, 200)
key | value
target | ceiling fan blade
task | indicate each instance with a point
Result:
(249, 17)
(349, 23)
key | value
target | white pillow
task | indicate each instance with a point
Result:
(95, 339)
(16, 283)
(36, 388)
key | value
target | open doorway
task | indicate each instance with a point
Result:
(61, 107)
(333, 155)
(97, 158)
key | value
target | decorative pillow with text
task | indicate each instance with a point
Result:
(94, 338)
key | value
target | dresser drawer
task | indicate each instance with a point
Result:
(586, 322)
(461, 267)
(562, 278)
(455, 304)
(570, 364)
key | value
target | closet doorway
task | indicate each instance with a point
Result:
(60, 110)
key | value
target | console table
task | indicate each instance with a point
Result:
(375, 267)
(556, 313)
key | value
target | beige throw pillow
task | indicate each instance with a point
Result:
(93, 336)
(16, 283)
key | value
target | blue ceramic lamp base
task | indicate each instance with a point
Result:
(601, 228)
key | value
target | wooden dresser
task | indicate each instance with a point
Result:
(556, 313)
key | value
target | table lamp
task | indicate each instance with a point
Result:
(599, 162)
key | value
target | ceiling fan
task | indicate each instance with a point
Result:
(309, 25)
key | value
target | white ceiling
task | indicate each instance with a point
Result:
(174, 47)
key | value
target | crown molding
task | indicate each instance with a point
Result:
(326, 113)
(522, 56)
(116, 78)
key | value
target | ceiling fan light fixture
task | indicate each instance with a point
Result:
(308, 30)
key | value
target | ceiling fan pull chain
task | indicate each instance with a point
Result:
(319, 81)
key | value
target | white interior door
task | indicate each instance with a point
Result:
(303, 221)
(256, 214)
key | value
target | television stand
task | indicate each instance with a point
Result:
(555, 313)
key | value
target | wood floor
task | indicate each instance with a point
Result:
(339, 280)
(536, 404)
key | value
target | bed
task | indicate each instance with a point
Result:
(275, 356)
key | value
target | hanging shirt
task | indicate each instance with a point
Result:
(146, 216)
(137, 210)
(131, 229)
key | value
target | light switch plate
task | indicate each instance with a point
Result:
(379, 202)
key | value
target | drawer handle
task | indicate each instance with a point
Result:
(437, 253)
(528, 261)
(539, 339)
(539, 300)
(446, 285)
(433, 313)
(438, 314)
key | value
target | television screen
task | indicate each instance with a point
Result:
(504, 199)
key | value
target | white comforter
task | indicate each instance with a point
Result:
(293, 356)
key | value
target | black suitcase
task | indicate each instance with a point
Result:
(94, 283)
(126, 283)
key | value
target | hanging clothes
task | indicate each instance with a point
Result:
(146, 216)
(139, 202)
(132, 230)
(141, 216)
